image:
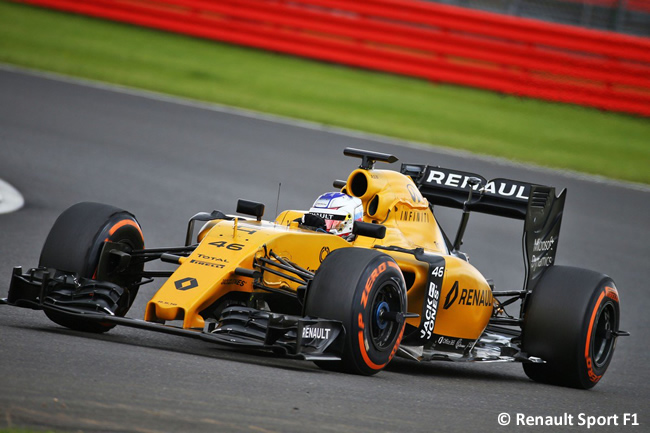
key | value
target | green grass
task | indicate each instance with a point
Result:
(548, 134)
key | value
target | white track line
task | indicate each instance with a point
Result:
(10, 199)
(320, 127)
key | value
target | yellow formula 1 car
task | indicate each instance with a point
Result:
(392, 285)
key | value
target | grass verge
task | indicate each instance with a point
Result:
(525, 130)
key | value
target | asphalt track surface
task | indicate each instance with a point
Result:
(61, 143)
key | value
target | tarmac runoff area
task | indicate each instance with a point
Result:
(10, 199)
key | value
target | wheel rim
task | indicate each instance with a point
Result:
(603, 341)
(380, 312)
(126, 238)
(387, 299)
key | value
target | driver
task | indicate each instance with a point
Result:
(334, 212)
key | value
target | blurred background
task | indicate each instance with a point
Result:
(627, 16)
(562, 84)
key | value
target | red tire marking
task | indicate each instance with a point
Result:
(122, 224)
(364, 301)
(592, 375)
(371, 280)
(397, 343)
(115, 228)
(612, 293)
(365, 356)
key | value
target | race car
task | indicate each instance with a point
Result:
(364, 275)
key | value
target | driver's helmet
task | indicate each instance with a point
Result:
(339, 211)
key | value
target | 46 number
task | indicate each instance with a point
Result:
(224, 244)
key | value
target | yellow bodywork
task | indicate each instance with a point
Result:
(389, 198)
(208, 273)
(393, 200)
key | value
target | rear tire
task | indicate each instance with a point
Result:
(359, 287)
(74, 245)
(570, 322)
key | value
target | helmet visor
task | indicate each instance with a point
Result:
(334, 221)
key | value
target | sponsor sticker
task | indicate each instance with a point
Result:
(316, 333)
(461, 180)
(471, 297)
(208, 264)
(186, 283)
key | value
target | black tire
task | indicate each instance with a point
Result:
(357, 286)
(571, 322)
(74, 244)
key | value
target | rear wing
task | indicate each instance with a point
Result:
(537, 205)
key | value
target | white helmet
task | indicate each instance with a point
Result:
(339, 211)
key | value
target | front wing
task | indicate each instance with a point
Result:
(306, 338)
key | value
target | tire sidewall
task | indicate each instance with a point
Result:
(74, 244)
(125, 230)
(560, 326)
(379, 272)
(118, 227)
(122, 228)
(589, 370)
(344, 289)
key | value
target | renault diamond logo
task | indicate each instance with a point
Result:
(186, 284)
(451, 296)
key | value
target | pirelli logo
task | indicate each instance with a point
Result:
(208, 264)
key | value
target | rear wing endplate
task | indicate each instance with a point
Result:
(537, 205)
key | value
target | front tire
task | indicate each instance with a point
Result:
(74, 245)
(571, 322)
(365, 290)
